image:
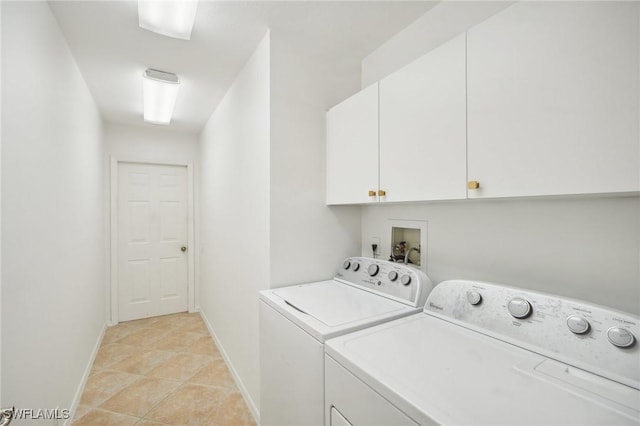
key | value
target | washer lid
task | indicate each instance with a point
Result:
(335, 304)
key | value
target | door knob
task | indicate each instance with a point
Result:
(183, 249)
(6, 415)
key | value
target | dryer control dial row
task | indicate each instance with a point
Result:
(521, 309)
(587, 336)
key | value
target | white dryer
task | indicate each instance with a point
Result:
(295, 322)
(485, 354)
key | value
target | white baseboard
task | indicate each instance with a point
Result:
(85, 377)
(236, 377)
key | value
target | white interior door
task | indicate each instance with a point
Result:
(152, 240)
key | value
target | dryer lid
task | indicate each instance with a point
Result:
(438, 372)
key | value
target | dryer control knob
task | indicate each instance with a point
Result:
(355, 266)
(519, 308)
(474, 297)
(373, 269)
(620, 337)
(577, 324)
(405, 279)
(346, 264)
(393, 275)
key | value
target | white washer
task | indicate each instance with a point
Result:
(295, 322)
(486, 354)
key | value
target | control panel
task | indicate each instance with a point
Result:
(396, 281)
(591, 337)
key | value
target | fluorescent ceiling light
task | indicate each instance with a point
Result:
(159, 91)
(173, 18)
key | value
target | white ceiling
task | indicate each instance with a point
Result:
(112, 51)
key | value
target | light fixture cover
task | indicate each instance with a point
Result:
(172, 18)
(159, 91)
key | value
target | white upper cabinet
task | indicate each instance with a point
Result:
(352, 149)
(553, 100)
(540, 99)
(423, 127)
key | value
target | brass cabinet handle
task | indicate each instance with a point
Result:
(382, 193)
(473, 184)
(372, 193)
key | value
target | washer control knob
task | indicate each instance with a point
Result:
(577, 324)
(355, 266)
(519, 308)
(405, 279)
(474, 297)
(373, 269)
(346, 264)
(620, 337)
(393, 275)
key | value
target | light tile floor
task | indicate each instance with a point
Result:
(160, 371)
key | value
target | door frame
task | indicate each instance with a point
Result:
(113, 259)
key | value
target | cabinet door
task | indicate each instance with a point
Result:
(352, 149)
(553, 90)
(423, 129)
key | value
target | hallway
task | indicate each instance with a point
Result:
(161, 371)
(255, 82)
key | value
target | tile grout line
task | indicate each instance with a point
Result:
(159, 402)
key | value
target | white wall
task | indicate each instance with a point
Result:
(308, 239)
(263, 215)
(441, 23)
(150, 144)
(1, 402)
(586, 248)
(234, 247)
(52, 213)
